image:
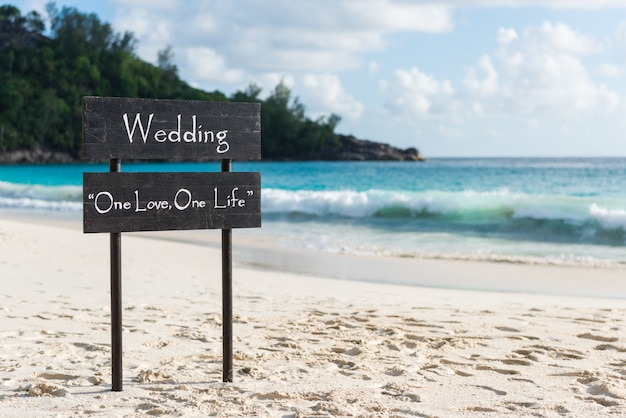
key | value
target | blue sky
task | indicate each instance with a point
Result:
(452, 78)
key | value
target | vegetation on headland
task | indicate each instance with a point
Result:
(45, 74)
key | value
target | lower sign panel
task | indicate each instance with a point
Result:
(126, 202)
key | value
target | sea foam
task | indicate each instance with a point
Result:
(35, 196)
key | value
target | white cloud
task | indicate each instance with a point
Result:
(559, 36)
(542, 71)
(269, 81)
(153, 32)
(617, 65)
(536, 69)
(373, 67)
(557, 4)
(37, 5)
(620, 33)
(477, 108)
(279, 35)
(506, 36)
(203, 64)
(536, 73)
(327, 93)
(610, 70)
(413, 93)
(395, 16)
(163, 5)
(482, 87)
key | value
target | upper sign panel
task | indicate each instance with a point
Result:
(122, 128)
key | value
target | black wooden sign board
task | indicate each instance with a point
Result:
(124, 128)
(115, 202)
(128, 202)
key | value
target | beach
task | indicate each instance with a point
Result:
(551, 343)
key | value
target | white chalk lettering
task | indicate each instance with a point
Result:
(190, 136)
(231, 200)
(175, 133)
(195, 135)
(188, 201)
(151, 204)
(131, 133)
(121, 205)
(110, 198)
(177, 203)
(105, 198)
(160, 136)
(222, 144)
(137, 208)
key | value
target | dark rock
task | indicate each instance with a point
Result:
(350, 149)
(353, 149)
(37, 155)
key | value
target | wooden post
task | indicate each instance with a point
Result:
(120, 128)
(227, 296)
(116, 299)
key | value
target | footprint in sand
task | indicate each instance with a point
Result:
(158, 344)
(93, 347)
(508, 329)
(284, 342)
(600, 338)
(401, 392)
(516, 362)
(496, 391)
(604, 347)
(604, 389)
(554, 352)
(394, 371)
(355, 351)
(57, 376)
(149, 376)
(41, 388)
(497, 370)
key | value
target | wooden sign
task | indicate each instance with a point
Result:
(123, 128)
(127, 202)
(115, 202)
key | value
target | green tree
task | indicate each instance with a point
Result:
(287, 133)
(165, 60)
(43, 80)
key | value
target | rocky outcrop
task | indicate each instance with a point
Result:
(350, 149)
(37, 155)
(353, 149)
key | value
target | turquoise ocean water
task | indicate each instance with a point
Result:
(553, 211)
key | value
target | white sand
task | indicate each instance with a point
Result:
(304, 346)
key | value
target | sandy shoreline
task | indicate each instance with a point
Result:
(304, 346)
(259, 253)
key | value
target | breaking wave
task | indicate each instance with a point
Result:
(34, 196)
(548, 218)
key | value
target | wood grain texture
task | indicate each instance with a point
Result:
(126, 202)
(126, 128)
